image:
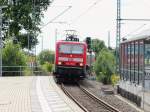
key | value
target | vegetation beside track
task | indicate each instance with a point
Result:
(13, 56)
(104, 66)
(46, 60)
(21, 25)
(16, 61)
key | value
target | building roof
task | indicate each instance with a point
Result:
(141, 36)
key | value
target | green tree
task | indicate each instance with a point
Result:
(46, 56)
(13, 56)
(23, 15)
(97, 45)
(104, 66)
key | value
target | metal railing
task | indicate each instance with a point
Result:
(23, 70)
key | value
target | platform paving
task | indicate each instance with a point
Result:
(15, 94)
(33, 94)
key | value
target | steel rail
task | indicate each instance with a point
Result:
(70, 96)
(100, 101)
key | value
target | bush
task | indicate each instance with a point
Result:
(46, 56)
(27, 71)
(114, 79)
(104, 66)
(100, 77)
(47, 67)
(13, 56)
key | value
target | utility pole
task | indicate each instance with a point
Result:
(33, 16)
(42, 43)
(108, 39)
(1, 72)
(1, 40)
(56, 32)
(28, 42)
(118, 34)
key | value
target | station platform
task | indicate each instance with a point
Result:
(33, 94)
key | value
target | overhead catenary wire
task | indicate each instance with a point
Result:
(56, 17)
(58, 6)
(86, 11)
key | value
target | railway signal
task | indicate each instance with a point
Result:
(88, 42)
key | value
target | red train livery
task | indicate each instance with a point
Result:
(70, 60)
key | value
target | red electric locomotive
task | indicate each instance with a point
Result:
(70, 59)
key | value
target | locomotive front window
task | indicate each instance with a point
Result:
(64, 49)
(77, 49)
(71, 49)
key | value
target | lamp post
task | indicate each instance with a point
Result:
(42, 43)
(1, 40)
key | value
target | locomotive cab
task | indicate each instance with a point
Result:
(70, 60)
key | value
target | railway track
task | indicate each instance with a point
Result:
(86, 100)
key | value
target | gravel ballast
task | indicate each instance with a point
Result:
(96, 88)
(90, 104)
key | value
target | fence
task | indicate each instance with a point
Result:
(23, 70)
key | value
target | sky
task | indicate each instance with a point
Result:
(92, 18)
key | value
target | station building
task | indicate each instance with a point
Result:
(135, 69)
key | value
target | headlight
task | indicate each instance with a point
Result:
(59, 63)
(81, 64)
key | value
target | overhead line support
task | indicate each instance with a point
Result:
(1, 40)
(134, 19)
(118, 33)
